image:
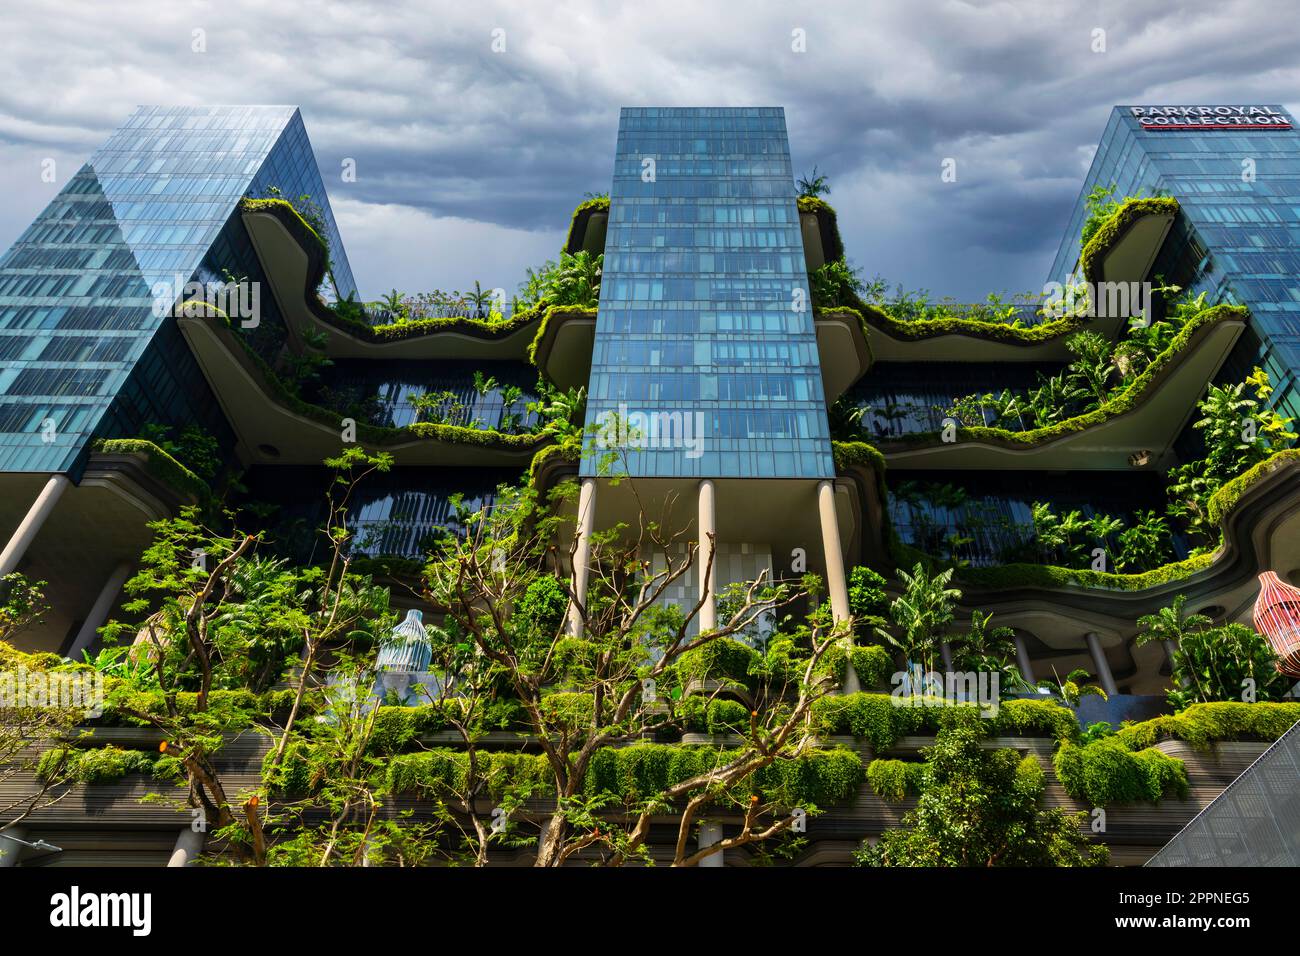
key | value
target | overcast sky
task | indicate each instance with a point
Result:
(469, 162)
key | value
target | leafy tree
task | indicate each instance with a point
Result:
(628, 637)
(981, 807)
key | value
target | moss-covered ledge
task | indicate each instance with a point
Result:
(900, 340)
(1113, 230)
(1220, 507)
(575, 241)
(231, 365)
(561, 348)
(348, 336)
(1127, 402)
(157, 463)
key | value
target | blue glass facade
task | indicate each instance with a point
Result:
(1238, 236)
(76, 289)
(705, 321)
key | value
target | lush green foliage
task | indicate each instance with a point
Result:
(979, 807)
(1106, 771)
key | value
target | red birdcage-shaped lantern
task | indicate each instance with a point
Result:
(1277, 617)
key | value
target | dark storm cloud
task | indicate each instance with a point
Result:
(469, 161)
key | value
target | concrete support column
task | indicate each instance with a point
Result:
(1022, 661)
(707, 525)
(711, 833)
(189, 844)
(836, 582)
(945, 655)
(1104, 676)
(582, 555)
(100, 610)
(10, 851)
(30, 526)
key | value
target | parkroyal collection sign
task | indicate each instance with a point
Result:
(1210, 117)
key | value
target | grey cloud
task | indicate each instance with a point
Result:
(442, 126)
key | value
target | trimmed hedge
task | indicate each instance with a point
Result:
(703, 715)
(880, 720)
(1225, 499)
(872, 663)
(1202, 724)
(158, 463)
(631, 773)
(441, 774)
(847, 454)
(722, 659)
(1121, 404)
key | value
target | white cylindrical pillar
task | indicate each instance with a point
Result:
(707, 524)
(30, 526)
(836, 583)
(711, 833)
(189, 844)
(100, 610)
(1023, 662)
(1104, 676)
(10, 849)
(582, 554)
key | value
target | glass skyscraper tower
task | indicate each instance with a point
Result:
(81, 346)
(1235, 171)
(704, 340)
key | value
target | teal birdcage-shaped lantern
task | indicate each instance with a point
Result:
(407, 649)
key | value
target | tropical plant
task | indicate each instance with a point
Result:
(576, 280)
(1229, 662)
(981, 807)
(921, 614)
(1073, 688)
(813, 184)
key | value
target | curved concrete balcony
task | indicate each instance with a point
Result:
(1122, 252)
(1135, 429)
(588, 227)
(95, 533)
(293, 258)
(275, 427)
(1260, 521)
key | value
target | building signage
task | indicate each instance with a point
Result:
(1210, 117)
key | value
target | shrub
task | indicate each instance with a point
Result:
(1106, 771)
